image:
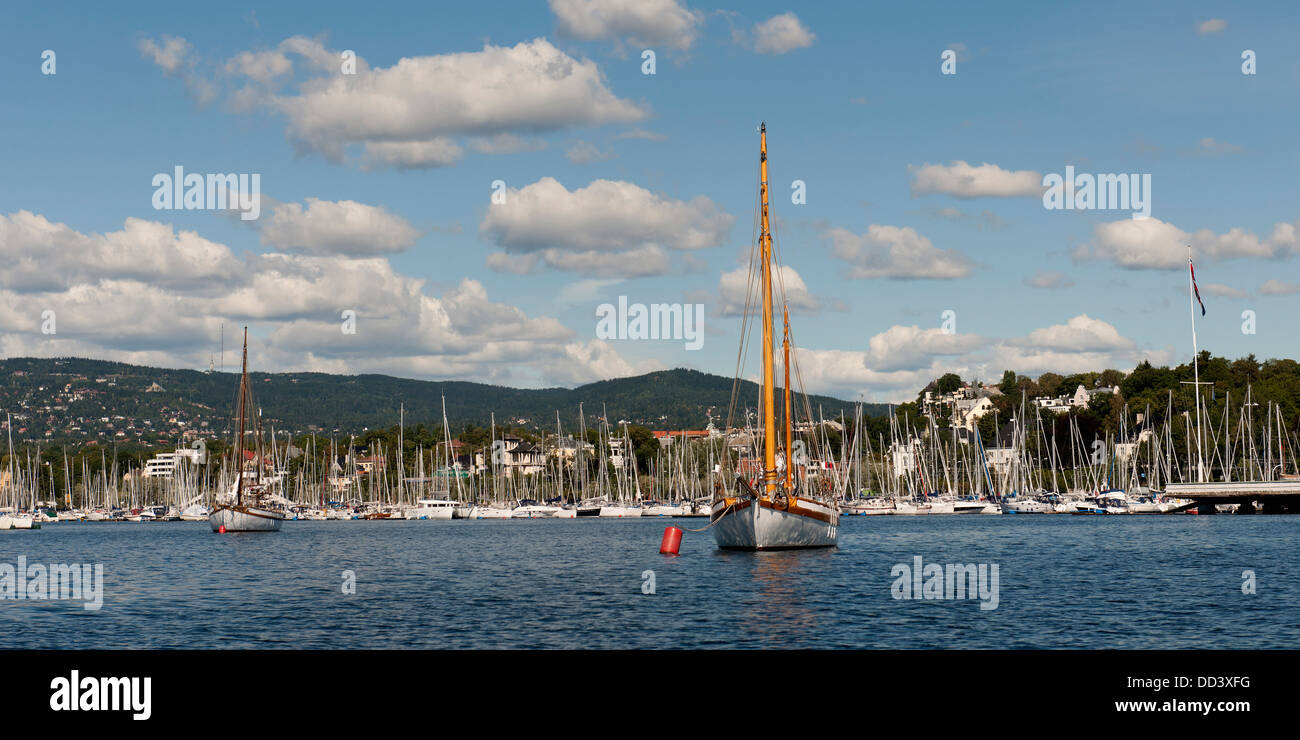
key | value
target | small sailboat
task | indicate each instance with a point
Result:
(249, 505)
(776, 512)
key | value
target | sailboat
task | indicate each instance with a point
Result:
(248, 505)
(777, 512)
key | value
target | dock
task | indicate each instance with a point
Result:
(1270, 497)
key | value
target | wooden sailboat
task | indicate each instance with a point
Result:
(249, 504)
(776, 512)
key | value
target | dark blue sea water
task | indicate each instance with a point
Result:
(1064, 582)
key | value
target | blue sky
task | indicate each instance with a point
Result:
(451, 98)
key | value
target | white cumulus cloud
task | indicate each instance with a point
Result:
(640, 22)
(898, 253)
(781, 34)
(963, 180)
(616, 227)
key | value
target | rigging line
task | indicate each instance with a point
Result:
(744, 321)
(776, 258)
(715, 521)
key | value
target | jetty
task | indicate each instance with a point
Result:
(1272, 497)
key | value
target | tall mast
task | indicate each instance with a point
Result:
(239, 435)
(1196, 368)
(769, 411)
(789, 420)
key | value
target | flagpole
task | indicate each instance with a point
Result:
(1196, 370)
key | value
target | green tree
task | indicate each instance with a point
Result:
(1008, 384)
(948, 383)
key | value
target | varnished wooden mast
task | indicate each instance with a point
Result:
(789, 420)
(769, 410)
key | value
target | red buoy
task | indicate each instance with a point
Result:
(672, 540)
(221, 529)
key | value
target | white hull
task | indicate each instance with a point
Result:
(969, 507)
(432, 512)
(438, 513)
(870, 508)
(565, 514)
(756, 527)
(534, 512)
(245, 519)
(620, 511)
(6, 522)
(663, 511)
(488, 512)
(1028, 506)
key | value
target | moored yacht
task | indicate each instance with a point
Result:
(432, 508)
(248, 505)
(968, 506)
(659, 508)
(488, 511)
(778, 509)
(619, 511)
(529, 509)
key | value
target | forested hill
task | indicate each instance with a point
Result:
(60, 393)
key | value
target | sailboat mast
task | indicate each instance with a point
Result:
(769, 410)
(239, 435)
(789, 420)
(1196, 367)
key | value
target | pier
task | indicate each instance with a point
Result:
(1270, 497)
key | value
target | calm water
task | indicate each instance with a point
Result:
(1065, 581)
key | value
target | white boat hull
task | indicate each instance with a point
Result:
(245, 519)
(663, 511)
(620, 511)
(432, 512)
(6, 522)
(1028, 506)
(751, 526)
(534, 512)
(489, 512)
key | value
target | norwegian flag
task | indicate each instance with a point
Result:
(1194, 288)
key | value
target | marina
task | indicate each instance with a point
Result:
(646, 341)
